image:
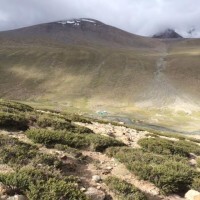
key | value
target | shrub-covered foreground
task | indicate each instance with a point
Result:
(38, 176)
(74, 140)
(18, 154)
(168, 147)
(39, 184)
(18, 116)
(123, 189)
(171, 174)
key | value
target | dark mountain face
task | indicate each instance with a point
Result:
(167, 34)
(76, 32)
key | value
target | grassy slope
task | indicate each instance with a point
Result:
(97, 75)
(73, 72)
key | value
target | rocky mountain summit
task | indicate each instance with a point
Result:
(166, 34)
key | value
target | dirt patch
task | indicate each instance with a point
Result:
(127, 135)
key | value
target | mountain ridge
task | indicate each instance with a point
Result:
(79, 31)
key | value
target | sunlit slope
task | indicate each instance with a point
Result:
(61, 73)
(100, 64)
(183, 70)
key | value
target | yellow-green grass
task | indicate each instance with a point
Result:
(87, 78)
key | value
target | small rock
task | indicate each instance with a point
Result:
(110, 134)
(17, 197)
(95, 194)
(192, 195)
(193, 162)
(3, 189)
(82, 189)
(98, 187)
(109, 168)
(63, 157)
(96, 178)
(113, 159)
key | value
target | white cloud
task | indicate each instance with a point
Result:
(143, 17)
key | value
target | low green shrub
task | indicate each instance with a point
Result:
(18, 154)
(15, 106)
(172, 135)
(100, 143)
(46, 159)
(39, 184)
(87, 141)
(54, 189)
(198, 162)
(77, 118)
(171, 174)
(13, 121)
(64, 115)
(169, 135)
(72, 151)
(50, 138)
(59, 123)
(168, 147)
(76, 140)
(46, 137)
(172, 177)
(128, 155)
(44, 121)
(190, 146)
(82, 130)
(18, 116)
(123, 189)
(196, 183)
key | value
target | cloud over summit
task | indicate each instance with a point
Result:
(144, 17)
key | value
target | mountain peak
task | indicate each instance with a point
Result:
(168, 33)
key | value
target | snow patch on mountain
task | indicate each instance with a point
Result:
(88, 20)
(77, 22)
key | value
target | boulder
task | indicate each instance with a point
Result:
(192, 195)
(95, 194)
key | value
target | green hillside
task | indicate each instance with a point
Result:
(103, 68)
